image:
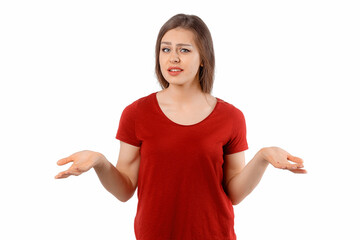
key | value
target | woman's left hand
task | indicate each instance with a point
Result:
(279, 158)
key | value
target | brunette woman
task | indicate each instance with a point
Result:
(181, 147)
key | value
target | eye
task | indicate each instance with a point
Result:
(165, 50)
(184, 50)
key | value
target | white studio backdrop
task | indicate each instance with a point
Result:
(69, 68)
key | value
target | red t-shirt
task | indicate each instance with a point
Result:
(180, 183)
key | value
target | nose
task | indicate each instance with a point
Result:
(174, 58)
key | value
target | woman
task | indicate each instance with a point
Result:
(182, 148)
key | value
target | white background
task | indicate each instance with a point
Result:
(68, 69)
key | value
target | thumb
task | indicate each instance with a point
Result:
(64, 161)
(295, 159)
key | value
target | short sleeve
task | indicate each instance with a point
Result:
(127, 126)
(237, 141)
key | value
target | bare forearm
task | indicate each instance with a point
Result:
(244, 182)
(117, 183)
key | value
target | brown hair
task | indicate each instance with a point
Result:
(203, 41)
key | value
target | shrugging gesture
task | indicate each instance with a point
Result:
(280, 158)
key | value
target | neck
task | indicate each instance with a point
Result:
(182, 94)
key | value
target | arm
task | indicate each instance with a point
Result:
(240, 180)
(121, 181)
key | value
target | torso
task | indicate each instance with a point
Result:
(188, 115)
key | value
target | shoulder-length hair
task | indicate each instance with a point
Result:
(203, 41)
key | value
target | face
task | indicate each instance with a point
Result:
(179, 57)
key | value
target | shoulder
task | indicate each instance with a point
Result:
(228, 107)
(232, 114)
(141, 105)
(140, 102)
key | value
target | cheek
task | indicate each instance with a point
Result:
(195, 65)
(196, 61)
(162, 65)
(162, 60)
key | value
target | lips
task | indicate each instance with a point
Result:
(175, 69)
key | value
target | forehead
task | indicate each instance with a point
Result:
(179, 35)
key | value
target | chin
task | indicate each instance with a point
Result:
(175, 83)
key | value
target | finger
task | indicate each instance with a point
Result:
(298, 170)
(64, 161)
(294, 166)
(291, 166)
(64, 174)
(286, 165)
(295, 159)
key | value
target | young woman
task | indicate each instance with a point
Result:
(181, 147)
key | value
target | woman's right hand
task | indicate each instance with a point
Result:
(83, 161)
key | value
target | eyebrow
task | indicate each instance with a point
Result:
(179, 44)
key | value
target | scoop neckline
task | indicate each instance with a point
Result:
(182, 125)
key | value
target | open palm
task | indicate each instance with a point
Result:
(281, 159)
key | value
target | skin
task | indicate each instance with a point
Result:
(184, 103)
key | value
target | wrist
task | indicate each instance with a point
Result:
(99, 160)
(262, 155)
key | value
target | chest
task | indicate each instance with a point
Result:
(187, 116)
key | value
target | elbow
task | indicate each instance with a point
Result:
(235, 202)
(125, 197)
(122, 199)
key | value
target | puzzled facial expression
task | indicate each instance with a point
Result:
(179, 57)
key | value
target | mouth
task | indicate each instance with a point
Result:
(174, 71)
